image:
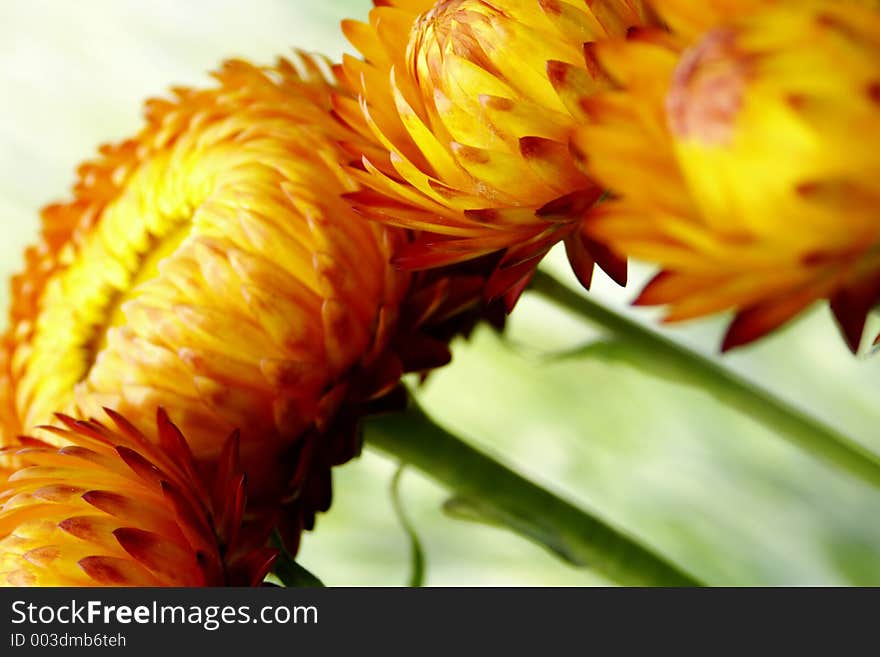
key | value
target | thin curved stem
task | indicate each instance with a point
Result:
(494, 493)
(784, 419)
(417, 552)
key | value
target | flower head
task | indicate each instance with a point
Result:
(210, 267)
(742, 150)
(113, 507)
(473, 102)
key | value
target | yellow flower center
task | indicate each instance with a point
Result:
(707, 90)
(148, 267)
(135, 232)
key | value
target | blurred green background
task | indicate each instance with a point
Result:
(703, 484)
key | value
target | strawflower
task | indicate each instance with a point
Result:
(114, 507)
(742, 152)
(473, 103)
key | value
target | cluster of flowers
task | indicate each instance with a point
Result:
(267, 257)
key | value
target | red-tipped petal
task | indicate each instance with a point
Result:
(142, 467)
(758, 321)
(851, 306)
(581, 261)
(160, 556)
(112, 571)
(611, 263)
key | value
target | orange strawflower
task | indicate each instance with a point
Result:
(115, 508)
(473, 103)
(742, 148)
(208, 266)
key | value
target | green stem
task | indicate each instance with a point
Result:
(501, 495)
(784, 419)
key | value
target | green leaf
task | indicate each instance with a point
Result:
(631, 342)
(288, 572)
(486, 489)
(462, 508)
(620, 351)
(417, 553)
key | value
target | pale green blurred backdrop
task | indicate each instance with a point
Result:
(701, 483)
